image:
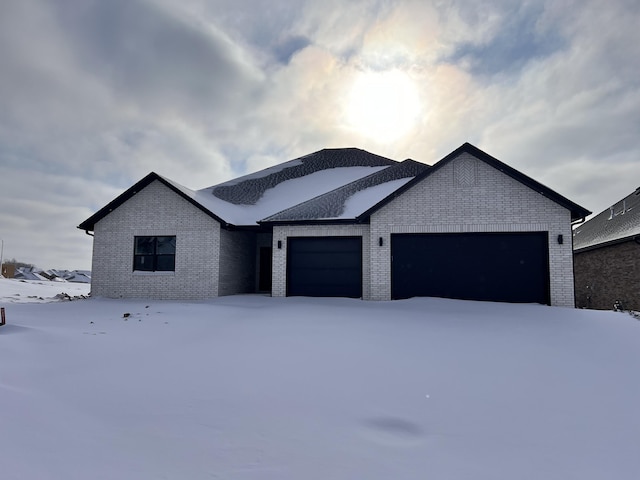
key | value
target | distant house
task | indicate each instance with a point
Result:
(607, 257)
(8, 270)
(52, 275)
(29, 273)
(342, 223)
(78, 276)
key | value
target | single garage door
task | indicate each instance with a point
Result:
(500, 267)
(324, 266)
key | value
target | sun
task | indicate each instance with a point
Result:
(383, 105)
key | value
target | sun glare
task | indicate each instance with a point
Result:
(383, 106)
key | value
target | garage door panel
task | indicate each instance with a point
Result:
(324, 266)
(511, 267)
(328, 260)
(335, 276)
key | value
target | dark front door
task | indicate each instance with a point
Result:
(264, 273)
(500, 267)
(324, 266)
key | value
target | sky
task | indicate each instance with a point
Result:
(95, 94)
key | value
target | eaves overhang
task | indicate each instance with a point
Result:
(327, 221)
(610, 243)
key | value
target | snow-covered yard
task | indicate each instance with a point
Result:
(252, 387)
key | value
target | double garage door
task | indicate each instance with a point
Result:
(499, 267)
(502, 267)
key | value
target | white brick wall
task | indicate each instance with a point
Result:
(279, 279)
(156, 210)
(467, 195)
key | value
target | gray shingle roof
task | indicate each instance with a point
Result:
(331, 205)
(618, 223)
(242, 201)
(249, 189)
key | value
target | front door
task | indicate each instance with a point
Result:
(264, 272)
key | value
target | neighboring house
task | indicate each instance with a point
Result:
(8, 270)
(74, 276)
(29, 273)
(53, 275)
(78, 276)
(344, 223)
(607, 257)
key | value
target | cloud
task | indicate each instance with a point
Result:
(40, 213)
(113, 88)
(288, 47)
(158, 59)
(518, 38)
(576, 109)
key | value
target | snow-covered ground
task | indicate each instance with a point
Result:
(252, 387)
(38, 291)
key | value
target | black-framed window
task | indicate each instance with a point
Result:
(154, 254)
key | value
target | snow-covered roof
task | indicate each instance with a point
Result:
(279, 197)
(617, 223)
(28, 273)
(351, 200)
(247, 200)
(250, 189)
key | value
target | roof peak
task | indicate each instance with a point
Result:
(247, 190)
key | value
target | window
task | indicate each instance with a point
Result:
(154, 254)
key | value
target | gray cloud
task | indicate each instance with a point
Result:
(518, 39)
(158, 59)
(573, 117)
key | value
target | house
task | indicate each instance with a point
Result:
(8, 270)
(29, 273)
(607, 257)
(78, 276)
(345, 223)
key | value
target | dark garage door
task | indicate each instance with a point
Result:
(500, 267)
(324, 266)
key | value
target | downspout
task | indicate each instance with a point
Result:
(87, 232)
(573, 263)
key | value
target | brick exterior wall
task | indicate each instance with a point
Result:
(156, 210)
(279, 278)
(237, 262)
(467, 195)
(608, 274)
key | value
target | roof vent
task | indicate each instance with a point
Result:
(610, 213)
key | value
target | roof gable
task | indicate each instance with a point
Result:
(618, 223)
(577, 212)
(89, 224)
